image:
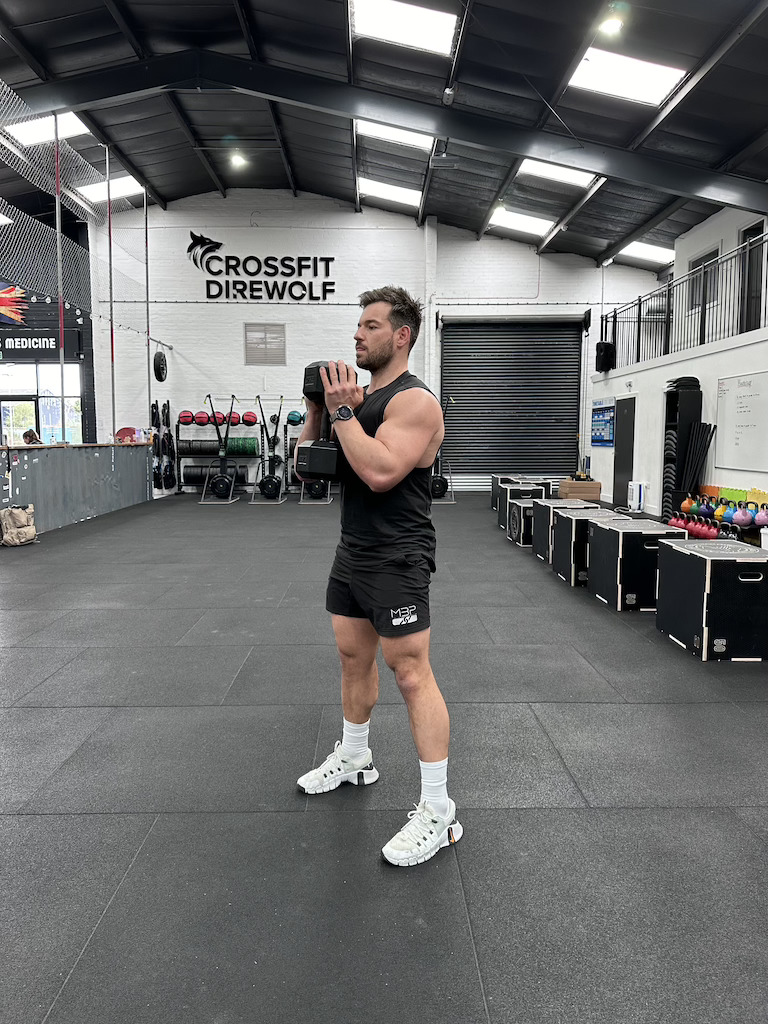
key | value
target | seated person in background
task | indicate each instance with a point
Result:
(30, 437)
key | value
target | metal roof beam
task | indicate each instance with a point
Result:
(194, 142)
(121, 20)
(274, 117)
(689, 83)
(9, 36)
(351, 81)
(210, 70)
(543, 117)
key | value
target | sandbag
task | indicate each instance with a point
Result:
(17, 525)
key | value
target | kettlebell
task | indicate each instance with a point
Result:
(720, 510)
(685, 508)
(761, 519)
(730, 511)
(695, 507)
(753, 511)
(713, 530)
(742, 517)
(706, 509)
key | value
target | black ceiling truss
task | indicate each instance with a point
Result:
(206, 70)
(756, 145)
(253, 49)
(351, 81)
(718, 52)
(544, 117)
(450, 84)
(9, 35)
(123, 23)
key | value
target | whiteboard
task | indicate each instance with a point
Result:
(742, 422)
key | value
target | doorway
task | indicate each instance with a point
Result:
(17, 415)
(623, 449)
(752, 277)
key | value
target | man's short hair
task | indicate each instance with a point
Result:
(406, 311)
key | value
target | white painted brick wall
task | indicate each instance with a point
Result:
(453, 272)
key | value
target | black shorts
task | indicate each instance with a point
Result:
(394, 599)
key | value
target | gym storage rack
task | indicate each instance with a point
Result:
(682, 410)
(623, 561)
(543, 516)
(570, 542)
(713, 598)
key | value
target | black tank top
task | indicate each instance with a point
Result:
(381, 529)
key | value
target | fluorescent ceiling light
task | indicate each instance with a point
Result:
(238, 160)
(119, 188)
(400, 135)
(395, 193)
(5, 220)
(41, 129)
(556, 172)
(520, 222)
(612, 26)
(625, 77)
(650, 253)
(404, 24)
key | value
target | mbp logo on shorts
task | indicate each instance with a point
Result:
(404, 616)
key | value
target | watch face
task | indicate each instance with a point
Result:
(344, 412)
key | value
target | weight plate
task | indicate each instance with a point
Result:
(161, 366)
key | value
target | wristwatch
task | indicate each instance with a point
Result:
(342, 413)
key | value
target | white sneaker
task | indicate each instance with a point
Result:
(337, 768)
(424, 834)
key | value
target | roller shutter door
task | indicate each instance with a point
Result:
(515, 390)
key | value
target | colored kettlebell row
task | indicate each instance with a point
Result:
(743, 513)
(706, 529)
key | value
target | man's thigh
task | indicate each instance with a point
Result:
(395, 600)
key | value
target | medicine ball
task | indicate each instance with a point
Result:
(234, 418)
(250, 419)
(202, 419)
(220, 418)
(161, 366)
(186, 417)
(294, 418)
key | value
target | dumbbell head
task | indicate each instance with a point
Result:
(313, 383)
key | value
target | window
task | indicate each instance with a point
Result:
(264, 344)
(698, 277)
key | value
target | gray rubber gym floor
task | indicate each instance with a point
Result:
(167, 672)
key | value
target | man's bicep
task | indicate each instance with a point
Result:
(406, 432)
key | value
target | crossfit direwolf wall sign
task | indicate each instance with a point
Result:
(261, 278)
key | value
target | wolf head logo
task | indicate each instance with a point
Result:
(200, 248)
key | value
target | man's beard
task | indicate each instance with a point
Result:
(379, 360)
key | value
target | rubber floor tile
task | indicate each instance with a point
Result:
(59, 874)
(664, 754)
(147, 760)
(35, 742)
(631, 916)
(140, 676)
(278, 917)
(22, 670)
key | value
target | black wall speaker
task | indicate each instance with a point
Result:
(606, 357)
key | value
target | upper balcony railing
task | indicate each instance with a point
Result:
(720, 299)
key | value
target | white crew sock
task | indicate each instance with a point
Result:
(354, 741)
(434, 785)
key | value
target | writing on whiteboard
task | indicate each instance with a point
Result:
(742, 422)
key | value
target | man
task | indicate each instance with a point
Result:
(378, 591)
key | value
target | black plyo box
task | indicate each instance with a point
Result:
(570, 537)
(497, 479)
(520, 529)
(713, 598)
(517, 490)
(623, 561)
(543, 513)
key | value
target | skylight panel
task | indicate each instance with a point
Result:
(41, 129)
(555, 172)
(119, 188)
(404, 24)
(394, 193)
(625, 77)
(520, 222)
(5, 220)
(650, 253)
(399, 135)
